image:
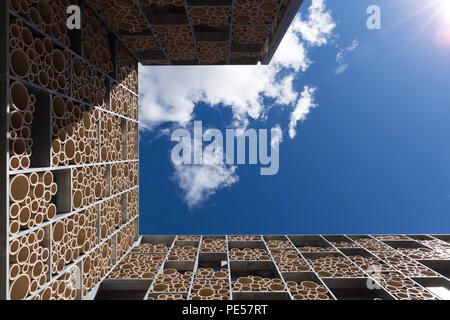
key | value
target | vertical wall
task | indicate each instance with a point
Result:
(69, 151)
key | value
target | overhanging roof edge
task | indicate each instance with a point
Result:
(280, 31)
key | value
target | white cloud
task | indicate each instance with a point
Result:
(342, 52)
(168, 95)
(199, 182)
(277, 136)
(319, 25)
(302, 109)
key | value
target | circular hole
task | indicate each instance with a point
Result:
(19, 63)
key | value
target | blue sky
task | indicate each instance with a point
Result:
(371, 151)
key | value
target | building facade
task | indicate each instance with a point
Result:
(70, 165)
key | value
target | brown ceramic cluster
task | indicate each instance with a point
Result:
(120, 15)
(127, 67)
(138, 266)
(30, 200)
(245, 34)
(249, 254)
(212, 52)
(254, 283)
(89, 184)
(96, 47)
(22, 107)
(47, 15)
(150, 248)
(65, 288)
(210, 16)
(28, 269)
(279, 244)
(124, 176)
(213, 245)
(72, 237)
(182, 253)
(171, 280)
(403, 288)
(344, 244)
(209, 273)
(126, 237)
(289, 260)
(210, 290)
(315, 249)
(88, 85)
(370, 264)
(111, 137)
(96, 265)
(244, 238)
(255, 12)
(75, 133)
(37, 60)
(124, 102)
(406, 265)
(307, 290)
(164, 296)
(336, 267)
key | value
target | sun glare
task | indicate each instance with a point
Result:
(444, 10)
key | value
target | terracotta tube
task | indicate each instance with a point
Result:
(51, 212)
(14, 163)
(36, 270)
(30, 224)
(58, 231)
(31, 238)
(77, 199)
(47, 178)
(14, 247)
(48, 45)
(16, 120)
(14, 30)
(19, 96)
(22, 255)
(40, 234)
(38, 47)
(45, 255)
(46, 294)
(14, 271)
(27, 37)
(25, 162)
(69, 149)
(19, 288)
(86, 264)
(35, 17)
(19, 188)
(38, 190)
(14, 210)
(34, 207)
(58, 60)
(56, 146)
(43, 78)
(19, 63)
(77, 66)
(38, 218)
(34, 286)
(47, 196)
(19, 147)
(45, 11)
(58, 106)
(27, 117)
